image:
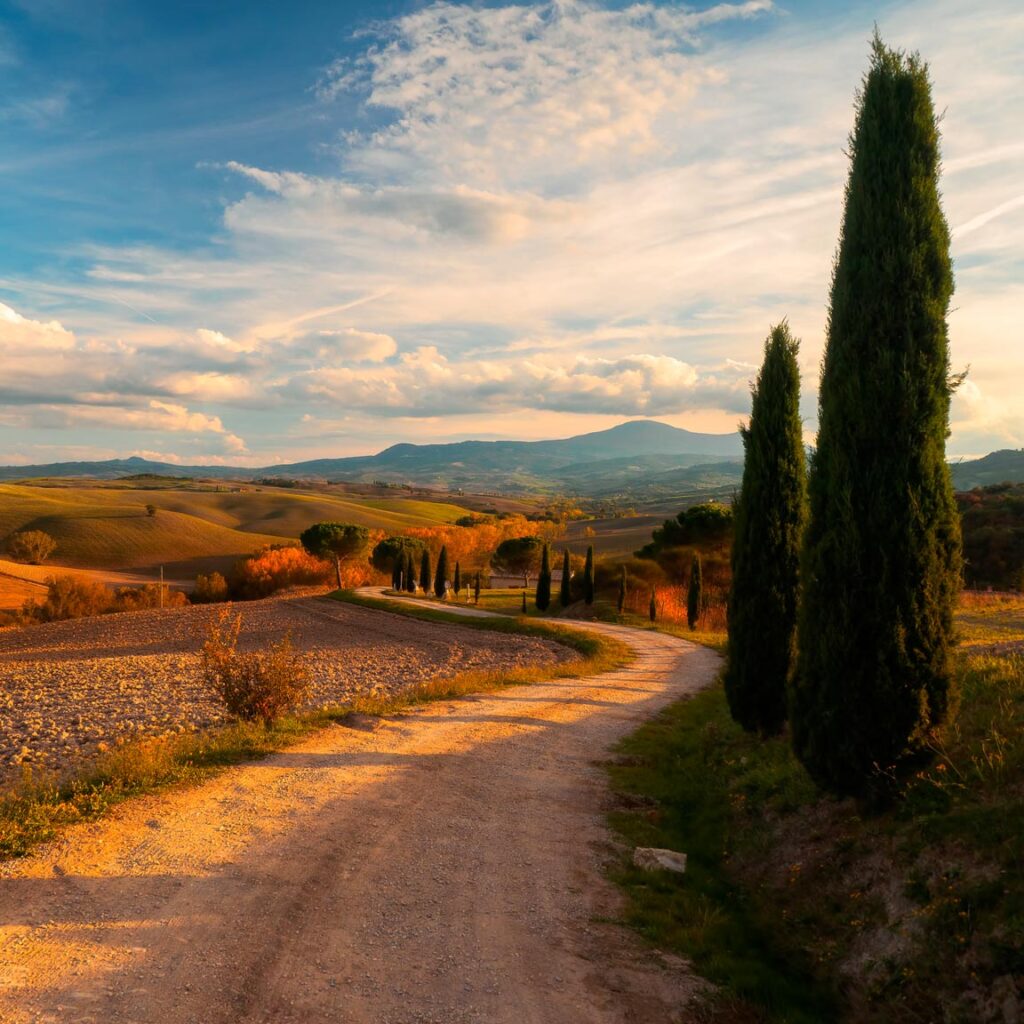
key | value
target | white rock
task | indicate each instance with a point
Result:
(650, 858)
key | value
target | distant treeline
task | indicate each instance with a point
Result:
(993, 531)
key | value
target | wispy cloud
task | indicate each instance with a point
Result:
(563, 208)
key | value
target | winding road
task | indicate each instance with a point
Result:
(439, 867)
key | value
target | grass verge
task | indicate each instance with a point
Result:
(804, 908)
(39, 809)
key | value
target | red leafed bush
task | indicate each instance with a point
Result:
(275, 568)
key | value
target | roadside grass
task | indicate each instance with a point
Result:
(684, 780)
(509, 602)
(990, 618)
(40, 807)
(803, 908)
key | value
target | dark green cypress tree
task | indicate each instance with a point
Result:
(565, 589)
(543, 596)
(457, 580)
(476, 589)
(396, 573)
(653, 609)
(695, 593)
(769, 519)
(410, 574)
(881, 565)
(441, 577)
(426, 579)
(588, 576)
(622, 591)
(524, 602)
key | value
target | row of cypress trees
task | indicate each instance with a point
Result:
(542, 595)
(844, 580)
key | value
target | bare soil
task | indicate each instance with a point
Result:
(68, 688)
(442, 867)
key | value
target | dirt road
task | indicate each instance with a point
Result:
(443, 866)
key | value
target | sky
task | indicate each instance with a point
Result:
(253, 232)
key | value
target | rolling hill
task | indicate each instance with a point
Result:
(195, 528)
(1004, 466)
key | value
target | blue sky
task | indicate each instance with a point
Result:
(248, 232)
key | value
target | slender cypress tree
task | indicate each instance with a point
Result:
(588, 576)
(524, 602)
(622, 591)
(564, 590)
(543, 595)
(441, 577)
(653, 609)
(695, 593)
(410, 574)
(476, 589)
(426, 579)
(769, 519)
(881, 564)
(457, 580)
(396, 573)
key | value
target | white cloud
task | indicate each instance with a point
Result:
(565, 207)
(19, 334)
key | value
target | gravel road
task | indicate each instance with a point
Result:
(66, 688)
(441, 867)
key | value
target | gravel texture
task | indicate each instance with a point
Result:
(70, 689)
(440, 867)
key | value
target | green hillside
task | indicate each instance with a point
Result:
(107, 527)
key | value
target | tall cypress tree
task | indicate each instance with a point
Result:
(622, 591)
(441, 577)
(543, 596)
(524, 602)
(881, 561)
(695, 593)
(426, 580)
(410, 573)
(652, 609)
(768, 521)
(564, 590)
(457, 579)
(476, 589)
(588, 576)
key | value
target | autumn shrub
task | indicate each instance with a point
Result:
(256, 686)
(33, 546)
(130, 599)
(70, 597)
(210, 588)
(274, 568)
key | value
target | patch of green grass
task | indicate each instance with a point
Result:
(680, 778)
(914, 912)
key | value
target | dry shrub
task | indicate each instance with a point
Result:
(33, 546)
(130, 599)
(256, 685)
(210, 589)
(276, 568)
(70, 597)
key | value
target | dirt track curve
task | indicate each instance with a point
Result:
(442, 867)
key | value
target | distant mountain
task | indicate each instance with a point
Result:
(605, 462)
(1004, 466)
